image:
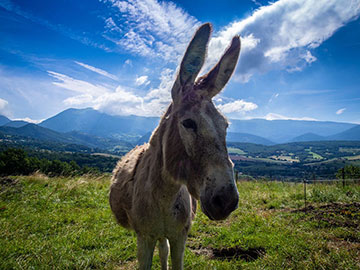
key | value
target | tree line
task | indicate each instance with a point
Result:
(15, 161)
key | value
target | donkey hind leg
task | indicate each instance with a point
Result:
(145, 251)
(164, 253)
(177, 248)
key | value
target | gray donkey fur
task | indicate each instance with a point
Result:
(155, 187)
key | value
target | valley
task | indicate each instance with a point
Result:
(279, 150)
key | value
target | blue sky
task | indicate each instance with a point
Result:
(300, 59)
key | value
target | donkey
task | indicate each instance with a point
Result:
(155, 187)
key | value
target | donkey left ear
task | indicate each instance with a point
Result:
(192, 61)
(217, 78)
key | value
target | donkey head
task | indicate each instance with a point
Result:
(195, 150)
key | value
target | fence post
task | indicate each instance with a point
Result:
(305, 194)
(343, 176)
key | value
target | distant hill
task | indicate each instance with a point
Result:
(34, 131)
(16, 123)
(4, 120)
(137, 129)
(144, 139)
(247, 138)
(93, 122)
(44, 134)
(352, 134)
(308, 137)
(281, 131)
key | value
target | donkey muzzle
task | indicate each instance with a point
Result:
(219, 205)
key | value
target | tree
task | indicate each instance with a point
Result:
(349, 172)
(14, 161)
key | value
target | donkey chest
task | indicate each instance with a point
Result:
(164, 215)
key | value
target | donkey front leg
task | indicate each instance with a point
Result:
(164, 253)
(145, 251)
(177, 248)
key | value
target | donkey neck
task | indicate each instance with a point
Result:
(163, 182)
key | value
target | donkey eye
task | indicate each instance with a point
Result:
(189, 123)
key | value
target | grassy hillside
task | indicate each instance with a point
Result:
(66, 223)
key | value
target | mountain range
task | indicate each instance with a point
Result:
(89, 121)
(99, 130)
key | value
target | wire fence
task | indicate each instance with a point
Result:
(344, 182)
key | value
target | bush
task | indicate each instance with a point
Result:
(14, 161)
(349, 172)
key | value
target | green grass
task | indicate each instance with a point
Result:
(237, 151)
(66, 223)
(314, 155)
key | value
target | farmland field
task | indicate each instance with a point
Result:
(66, 223)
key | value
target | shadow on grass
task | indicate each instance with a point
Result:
(234, 253)
(248, 255)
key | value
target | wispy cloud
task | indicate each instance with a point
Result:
(273, 97)
(340, 111)
(306, 92)
(275, 116)
(142, 80)
(98, 70)
(283, 34)
(79, 36)
(256, 3)
(150, 28)
(29, 120)
(128, 62)
(76, 85)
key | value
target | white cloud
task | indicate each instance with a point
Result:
(282, 34)
(273, 97)
(128, 62)
(29, 120)
(308, 57)
(142, 80)
(340, 111)
(150, 28)
(3, 107)
(256, 2)
(237, 106)
(118, 101)
(98, 70)
(275, 116)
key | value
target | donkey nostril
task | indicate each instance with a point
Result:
(218, 201)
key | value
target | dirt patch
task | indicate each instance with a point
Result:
(228, 254)
(339, 243)
(334, 215)
(7, 183)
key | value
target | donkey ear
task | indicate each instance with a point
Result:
(220, 74)
(193, 59)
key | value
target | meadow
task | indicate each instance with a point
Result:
(66, 223)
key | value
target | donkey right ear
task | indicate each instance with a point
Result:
(193, 60)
